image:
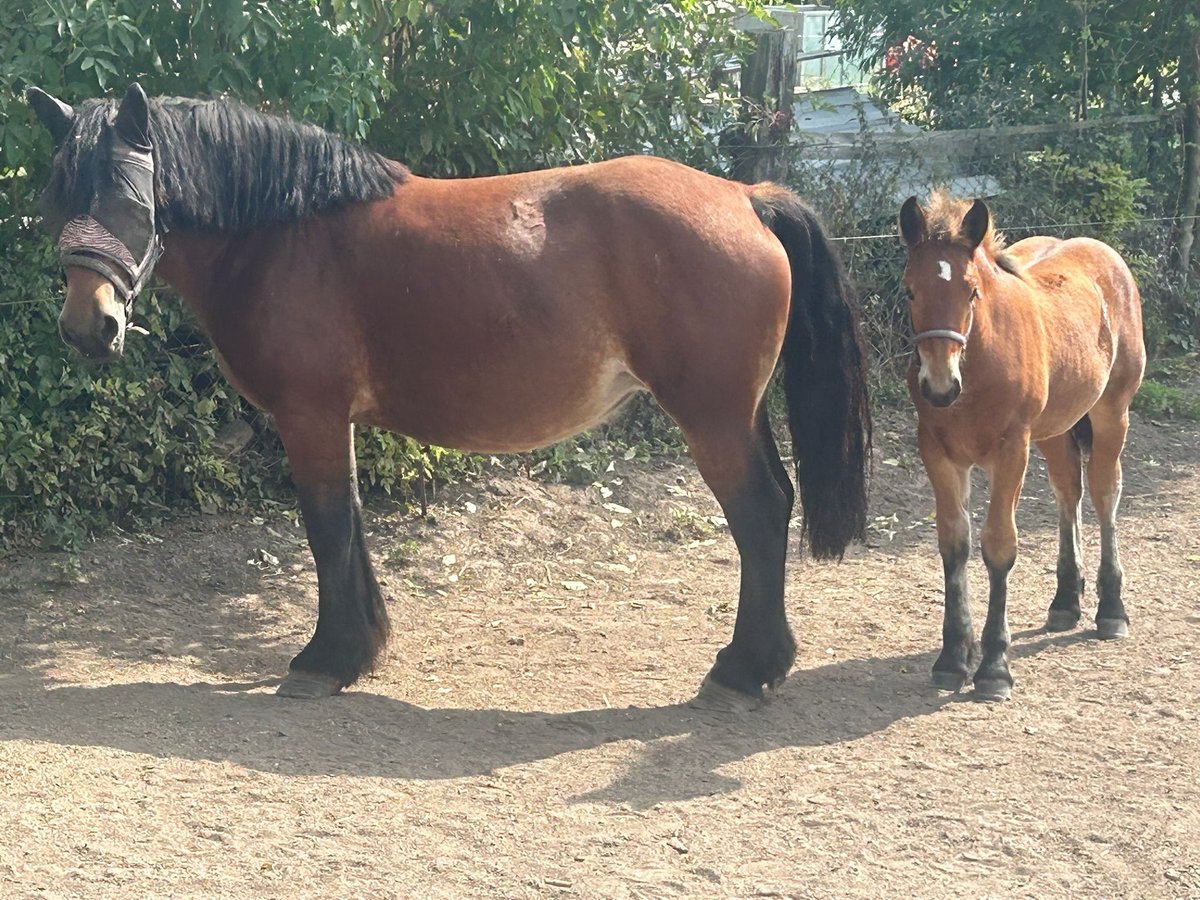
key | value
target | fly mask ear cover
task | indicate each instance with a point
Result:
(118, 238)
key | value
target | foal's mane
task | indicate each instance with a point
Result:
(944, 218)
(222, 166)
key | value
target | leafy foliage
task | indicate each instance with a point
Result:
(977, 63)
(520, 84)
(986, 62)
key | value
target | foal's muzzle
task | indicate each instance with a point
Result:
(941, 399)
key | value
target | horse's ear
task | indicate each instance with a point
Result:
(912, 222)
(133, 118)
(975, 223)
(51, 112)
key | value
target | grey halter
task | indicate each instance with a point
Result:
(950, 334)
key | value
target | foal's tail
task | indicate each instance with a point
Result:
(1081, 435)
(824, 377)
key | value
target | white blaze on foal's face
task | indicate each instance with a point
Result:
(937, 307)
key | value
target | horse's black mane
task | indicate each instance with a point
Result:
(222, 166)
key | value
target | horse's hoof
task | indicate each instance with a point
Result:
(948, 681)
(1061, 620)
(1112, 629)
(308, 686)
(992, 690)
(715, 697)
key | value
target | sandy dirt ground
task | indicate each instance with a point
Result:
(528, 733)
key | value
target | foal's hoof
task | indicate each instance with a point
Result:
(715, 697)
(1061, 620)
(308, 686)
(992, 690)
(948, 681)
(1112, 629)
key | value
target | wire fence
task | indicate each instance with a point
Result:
(875, 262)
(1041, 228)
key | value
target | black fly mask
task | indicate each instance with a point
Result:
(118, 236)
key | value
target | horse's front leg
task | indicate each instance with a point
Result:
(993, 681)
(352, 624)
(952, 491)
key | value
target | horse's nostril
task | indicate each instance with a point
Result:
(110, 329)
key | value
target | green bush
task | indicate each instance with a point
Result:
(81, 446)
(1164, 400)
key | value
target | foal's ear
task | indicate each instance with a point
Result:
(975, 223)
(133, 118)
(912, 222)
(51, 112)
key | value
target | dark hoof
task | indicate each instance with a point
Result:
(991, 690)
(715, 697)
(308, 686)
(1112, 629)
(948, 681)
(1061, 620)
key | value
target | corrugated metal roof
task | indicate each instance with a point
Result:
(844, 110)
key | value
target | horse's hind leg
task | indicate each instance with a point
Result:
(1104, 484)
(352, 621)
(1065, 467)
(741, 465)
(951, 491)
(771, 451)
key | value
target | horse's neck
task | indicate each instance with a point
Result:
(996, 311)
(195, 264)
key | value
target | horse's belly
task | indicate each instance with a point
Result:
(1069, 401)
(504, 415)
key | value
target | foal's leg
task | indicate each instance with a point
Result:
(352, 621)
(1065, 467)
(999, 542)
(1104, 484)
(952, 492)
(741, 465)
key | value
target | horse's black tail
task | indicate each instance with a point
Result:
(824, 377)
(1081, 436)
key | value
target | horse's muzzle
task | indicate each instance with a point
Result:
(941, 399)
(103, 343)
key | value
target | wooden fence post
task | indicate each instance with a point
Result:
(768, 87)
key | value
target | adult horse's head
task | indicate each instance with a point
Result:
(100, 203)
(942, 285)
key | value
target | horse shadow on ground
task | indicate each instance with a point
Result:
(369, 735)
(372, 735)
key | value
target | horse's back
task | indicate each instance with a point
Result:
(1083, 273)
(1030, 250)
(1087, 261)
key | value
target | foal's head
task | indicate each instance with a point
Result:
(101, 205)
(941, 281)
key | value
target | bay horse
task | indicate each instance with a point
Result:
(1042, 342)
(490, 314)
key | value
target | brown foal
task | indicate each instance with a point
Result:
(1042, 342)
